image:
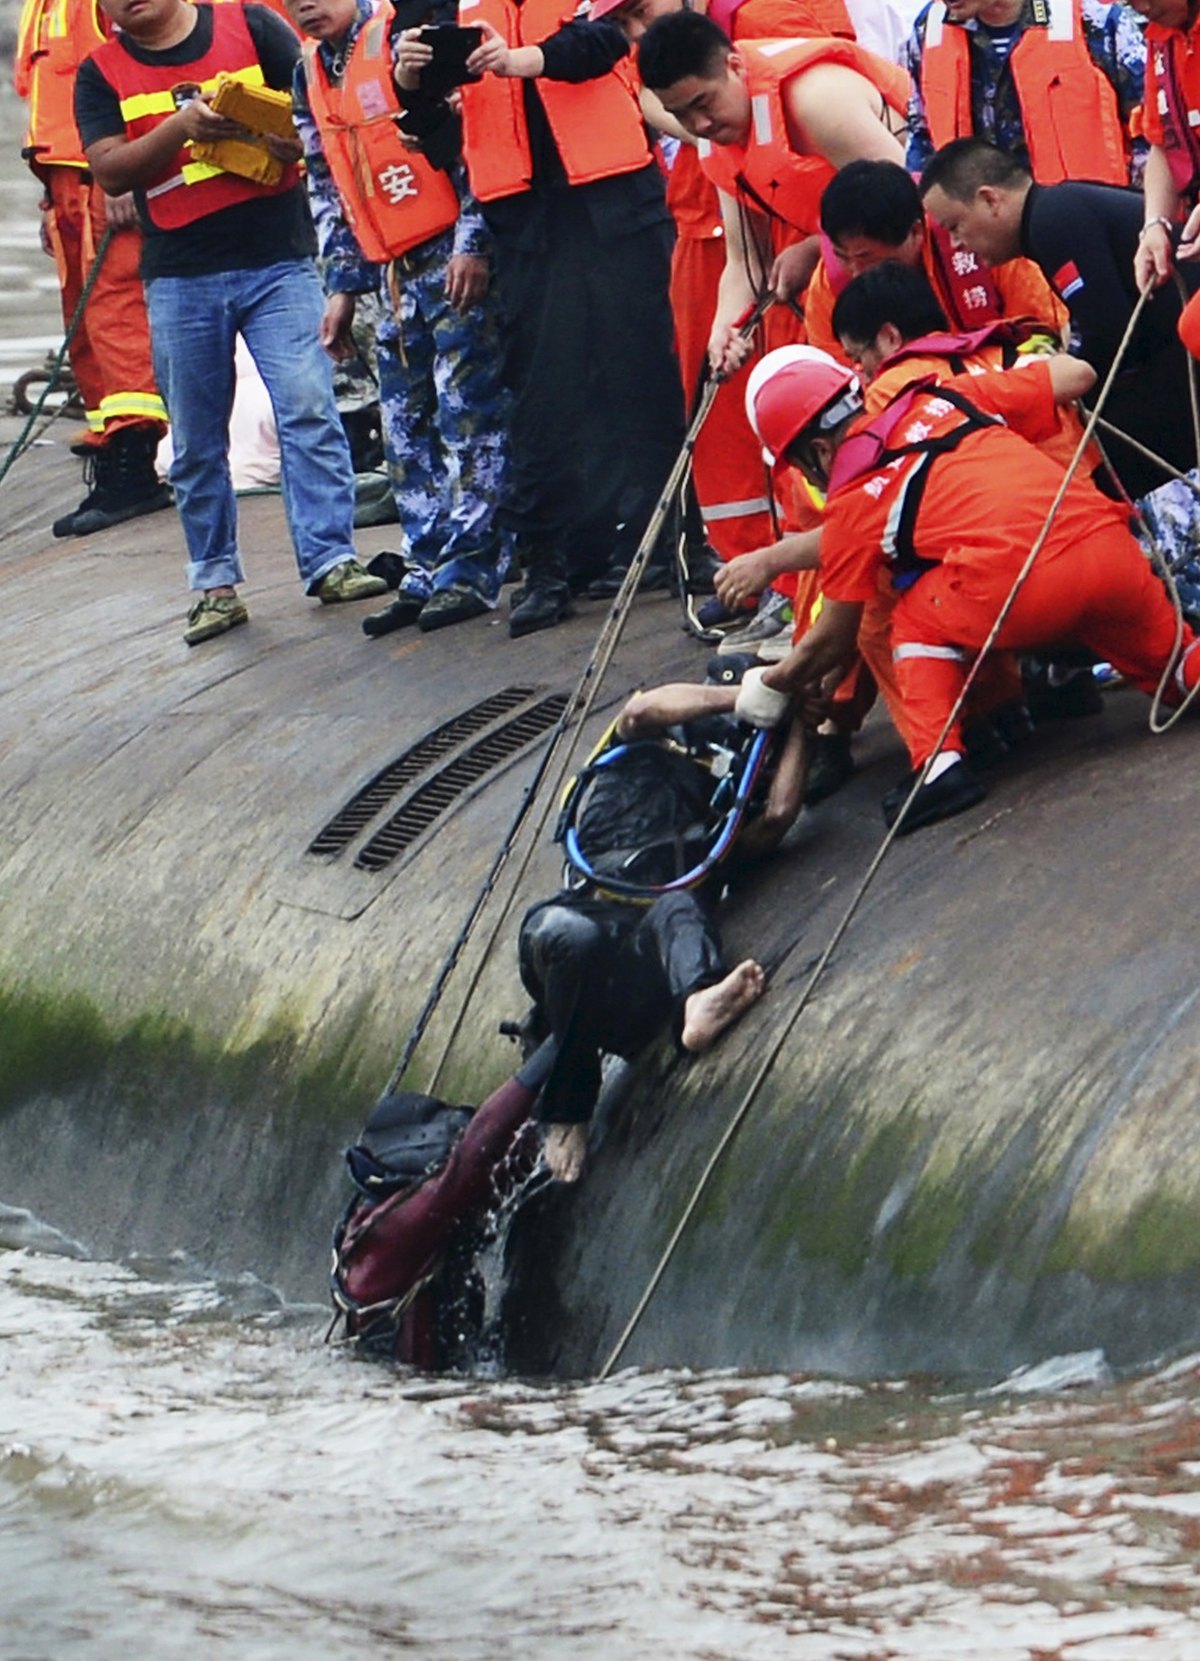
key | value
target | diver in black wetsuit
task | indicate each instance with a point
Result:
(606, 976)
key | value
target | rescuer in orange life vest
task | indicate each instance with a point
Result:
(871, 212)
(727, 470)
(557, 156)
(390, 217)
(775, 120)
(922, 495)
(1172, 125)
(109, 351)
(1058, 84)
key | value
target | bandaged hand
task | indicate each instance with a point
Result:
(759, 705)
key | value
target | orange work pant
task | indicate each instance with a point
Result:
(728, 474)
(110, 350)
(998, 682)
(1100, 593)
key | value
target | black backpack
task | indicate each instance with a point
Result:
(407, 1137)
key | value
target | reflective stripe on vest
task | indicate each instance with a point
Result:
(394, 199)
(596, 125)
(1069, 109)
(187, 190)
(766, 172)
(53, 39)
(714, 512)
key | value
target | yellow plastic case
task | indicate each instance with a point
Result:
(260, 110)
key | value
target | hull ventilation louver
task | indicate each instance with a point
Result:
(375, 795)
(431, 800)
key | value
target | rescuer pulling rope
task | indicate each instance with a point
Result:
(812, 433)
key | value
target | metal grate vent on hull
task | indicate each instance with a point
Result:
(379, 791)
(431, 800)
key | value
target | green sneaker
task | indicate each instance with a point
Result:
(348, 581)
(214, 614)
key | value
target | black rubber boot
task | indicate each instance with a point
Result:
(544, 598)
(124, 482)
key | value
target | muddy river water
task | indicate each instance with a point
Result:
(187, 1471)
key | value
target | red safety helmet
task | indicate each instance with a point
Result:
(790, 388)
(601, 8)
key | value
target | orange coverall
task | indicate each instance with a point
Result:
(983, 507)
(110, 350)
(728, 472)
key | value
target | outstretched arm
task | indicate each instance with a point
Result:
(649, 712)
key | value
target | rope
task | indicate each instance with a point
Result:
(578, 708)
(1148, 454)
(742, 1110)
(23, 441)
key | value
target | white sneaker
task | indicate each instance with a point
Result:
(773, 617)
(777, 648)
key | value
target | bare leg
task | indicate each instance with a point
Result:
(708, 1012)
(566, 1147)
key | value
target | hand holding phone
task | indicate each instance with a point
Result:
(451, 46)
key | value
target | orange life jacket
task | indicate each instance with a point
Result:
(767, 173)
(596, 125)
(763, 19)
(393, 197)
(1068, 105)
(1173, 82)
(187, 190)
(53, 39)
(690, 196)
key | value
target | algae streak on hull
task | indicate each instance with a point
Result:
(195, 1012)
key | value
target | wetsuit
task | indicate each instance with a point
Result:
(607, 977)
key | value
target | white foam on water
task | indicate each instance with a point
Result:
(186, 1472)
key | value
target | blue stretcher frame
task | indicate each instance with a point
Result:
(755, 759)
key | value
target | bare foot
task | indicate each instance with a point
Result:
(708, 1012)
(566, 1146)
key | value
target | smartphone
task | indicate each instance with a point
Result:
(452, 46)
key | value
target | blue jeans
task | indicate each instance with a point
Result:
(193, 325)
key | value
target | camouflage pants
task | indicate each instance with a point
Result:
(1172, 518)
(444, 428)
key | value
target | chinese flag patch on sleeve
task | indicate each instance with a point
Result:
(1066, 280)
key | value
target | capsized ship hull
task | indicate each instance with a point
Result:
(979, 1143)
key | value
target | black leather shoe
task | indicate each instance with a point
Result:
(404, 609)
(543, 604)
(1070, 700)
(953, 791)
(450, 605)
